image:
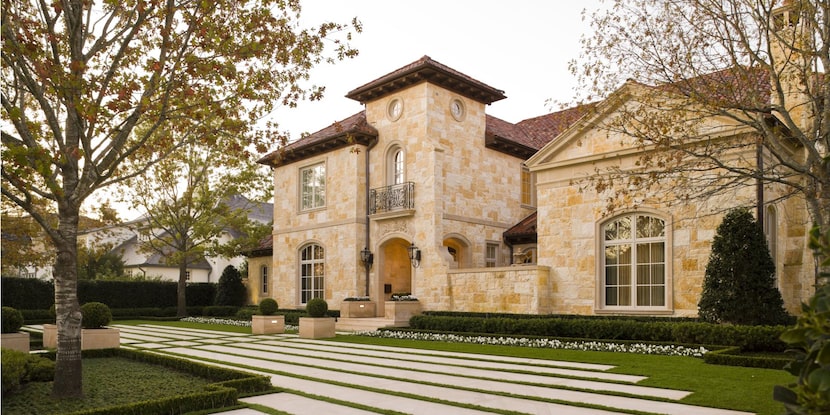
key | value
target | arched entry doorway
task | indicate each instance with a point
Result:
(395, 271)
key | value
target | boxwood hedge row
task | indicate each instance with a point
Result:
(35, 294)
(748, 338)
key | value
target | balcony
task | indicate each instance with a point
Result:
(392, 201)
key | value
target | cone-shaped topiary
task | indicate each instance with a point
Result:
(739, 286)
(12, 320)
(95, 315)
(230, 290)
(317, 307)
(268, 306)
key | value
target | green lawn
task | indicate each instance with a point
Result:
(738, 388)
(745, 389)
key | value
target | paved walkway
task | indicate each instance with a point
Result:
(358, 378)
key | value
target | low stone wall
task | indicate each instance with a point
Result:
(522, 289)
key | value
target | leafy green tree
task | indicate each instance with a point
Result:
(231, 289)
(99, 262)
(80, 77)
(809, 342)
(739, 286)
(193, 208)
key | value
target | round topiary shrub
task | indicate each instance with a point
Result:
(268, 306)
(95, 315)
(12, 320)
(317, 307)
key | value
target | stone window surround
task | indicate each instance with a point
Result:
(316, 189)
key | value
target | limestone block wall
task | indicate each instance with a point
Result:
(519, 289)
(338, 228)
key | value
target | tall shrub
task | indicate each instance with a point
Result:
(231, 290)
(739, 286)
(809, 343)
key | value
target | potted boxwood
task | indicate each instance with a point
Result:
(267, 322)
(12, 337)
(95, 334)
(317, 325)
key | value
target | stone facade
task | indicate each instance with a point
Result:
(457, 176)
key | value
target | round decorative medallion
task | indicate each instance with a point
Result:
(395, 109)
(457, 109)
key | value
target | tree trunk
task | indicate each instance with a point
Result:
(181, 291)
(68, 368)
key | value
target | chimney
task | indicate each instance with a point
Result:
(790, 33)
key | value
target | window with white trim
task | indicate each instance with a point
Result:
(527, 187)
(395, 162)
(313, 187)
(312, 272)
(771, 231)
(634, 262)
(491, 256)
(264, 278)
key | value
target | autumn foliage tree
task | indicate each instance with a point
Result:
(753, 65)
(80, 76)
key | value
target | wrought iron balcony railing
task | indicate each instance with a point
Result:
(390, 198)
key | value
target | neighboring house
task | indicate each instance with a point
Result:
(495, 215)
(124, 239)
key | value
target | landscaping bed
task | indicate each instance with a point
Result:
(120, 381)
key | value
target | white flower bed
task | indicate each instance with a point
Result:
(227, 321)
(224, 321)
(596, 346)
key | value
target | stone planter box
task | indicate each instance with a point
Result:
(16, 341)
(358, 309)
(316, 327)
(267, 324)
(106, 338)
(401, 310)
(50, 336)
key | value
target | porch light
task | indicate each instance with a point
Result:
(367, 258)
(414, 255)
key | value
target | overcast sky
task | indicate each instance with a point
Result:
(521, 47)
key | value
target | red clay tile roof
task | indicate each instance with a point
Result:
(527, 137)
(522, 232)
(265, 248)
(423, 70)
(732, 88)
(352, 130)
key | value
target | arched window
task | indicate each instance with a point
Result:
(395, 166)
(771, 231)
(634, 272)
(312, 272)
(264, 275)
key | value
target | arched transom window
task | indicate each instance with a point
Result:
(634, 262)
(312, 272)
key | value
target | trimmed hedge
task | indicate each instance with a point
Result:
(230, 384)
(731, 356)
(35, 294)
(748, 338)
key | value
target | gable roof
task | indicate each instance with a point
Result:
(426, 70)
(352, 130)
